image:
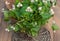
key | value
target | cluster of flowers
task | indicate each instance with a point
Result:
(12, 27)
(29, 9)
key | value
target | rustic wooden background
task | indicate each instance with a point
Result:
(6, 36)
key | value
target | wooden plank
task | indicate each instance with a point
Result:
(0, 20)
(9, 36)
(57, 36)
(57, 19)
(3, 35)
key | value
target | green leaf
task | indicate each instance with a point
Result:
(9, 27)
(45, 15)
(55, 27)
(33, 33)
(6, 16)
(12, 14)
(35, 29)
(17, 1)
(17, 14)
(23, 9)
(55, 1)
(17, 28)
(26, 2)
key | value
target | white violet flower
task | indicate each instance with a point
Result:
(53, 22)
(52, 12)
(54, 31)
(29, 9)
(7, 3)
(13, 27)
(39, 8)
(53, 5)
(13, 6)
(32, 1)
(44, 1)
(7, 30)
(3, 9)
(10, 9)
(35, 23)
(36, 0)
(52, 0)
(19, 5)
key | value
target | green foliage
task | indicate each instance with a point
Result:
(6, 16)
(16, 28)
(16, 1)
(30, 15)
(55, 27)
